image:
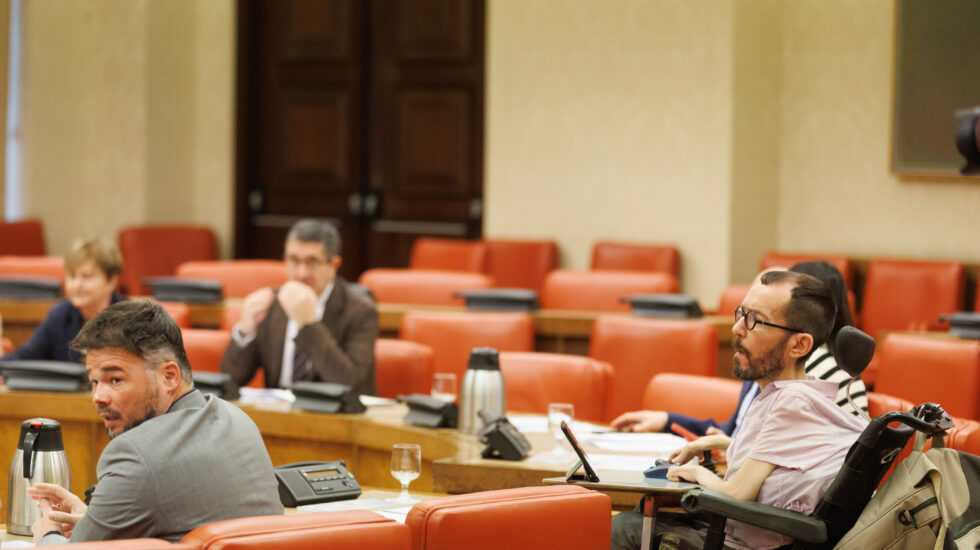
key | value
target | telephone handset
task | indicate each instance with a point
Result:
(503, 439)
(312, 482)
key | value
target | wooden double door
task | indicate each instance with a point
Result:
(368, 113)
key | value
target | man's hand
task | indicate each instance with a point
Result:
(61, 509)
(698, 446)
(684, 472)
(254, 308)
(640, 421)
(299, 302)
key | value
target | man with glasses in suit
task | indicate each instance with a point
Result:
(315, 327)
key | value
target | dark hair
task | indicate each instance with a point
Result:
(312, 230)
(140, 327)
(811, 306)
(826, 272)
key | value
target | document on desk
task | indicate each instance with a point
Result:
(623, 442)
(395, 511)
(538, 424)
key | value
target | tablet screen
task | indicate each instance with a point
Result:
(590, 474)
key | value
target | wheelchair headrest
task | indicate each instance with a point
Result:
(853, 350)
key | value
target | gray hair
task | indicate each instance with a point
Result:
(311, 230)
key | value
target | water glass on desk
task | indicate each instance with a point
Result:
(444, 386)
(406, 465)
(558, 412)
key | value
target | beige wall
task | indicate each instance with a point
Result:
(612, 124)
(128, 115)
(725, 127)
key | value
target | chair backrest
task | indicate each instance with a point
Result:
(638, 349)
(731, 298)
(535, 379)
(601, 290)
(636, 257)
(449, 255)
(693, 395)
(179, 312)
(157, 250)
(34, 266)
(910, 295)
(130, 544)
(205, 347)
(932, 368)
(238, 277)
(529, 518)
(965, 436)
(453, 335)
(521, 264)
(22, 238)
(880, 403)
(421, 286)
(843, 264)
(343, 530)
(402, 367)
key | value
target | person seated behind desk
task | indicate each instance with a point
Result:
(177, 459)
(821, 365)
(91, 279)
(315, 327)
(793, 439)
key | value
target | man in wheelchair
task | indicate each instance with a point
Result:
(794, 437)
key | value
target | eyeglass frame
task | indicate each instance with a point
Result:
(756, 321)
(309, 263)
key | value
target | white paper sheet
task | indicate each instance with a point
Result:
(652, 443)
(538, 424)
(265, 395)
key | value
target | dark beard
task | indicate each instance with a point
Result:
(150, 413)
(767, 366)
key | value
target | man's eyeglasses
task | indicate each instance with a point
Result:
(308, 263)
(751, 321)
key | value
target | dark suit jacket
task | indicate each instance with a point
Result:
(50, 339)
(699, 427)
(341, 345)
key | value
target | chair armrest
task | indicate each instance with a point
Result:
(796, 525)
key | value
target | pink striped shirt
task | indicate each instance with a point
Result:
(795, 425)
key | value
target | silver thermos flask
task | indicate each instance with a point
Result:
(40, 458)
(483, 388)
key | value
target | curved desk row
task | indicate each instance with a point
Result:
(451, 461)
(555, 330)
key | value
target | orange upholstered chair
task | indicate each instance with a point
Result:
(402, 367)
(529, 518)
(731, 298)
(636, 257)
(421, 286)
(693, 395)
(453, 335)
(205, 347)
(52, 267)
(131, 544)
(533, 379)
(638, 349)
(22, 238)
(179, 312)
(156, 251)
(521, 264)
(932, 368)
(910, 295)
(449, 255)
(346, 530)
(843, 264)
(965, 436)
(601, 290)
(880, 403)
(237, 277)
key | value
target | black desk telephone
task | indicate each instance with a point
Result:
(312, 482)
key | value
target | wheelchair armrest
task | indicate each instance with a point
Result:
(796, 525)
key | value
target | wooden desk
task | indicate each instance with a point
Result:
(555, 331)
(451, 461)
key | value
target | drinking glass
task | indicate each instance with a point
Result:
(406, 465)
(557, 412)
(444, 386)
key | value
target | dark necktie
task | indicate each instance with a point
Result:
(302, 366)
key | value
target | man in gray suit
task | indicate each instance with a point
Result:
(315, 327)
(176, 459)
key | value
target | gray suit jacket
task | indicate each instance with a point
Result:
(203, 461)
(341, 345)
